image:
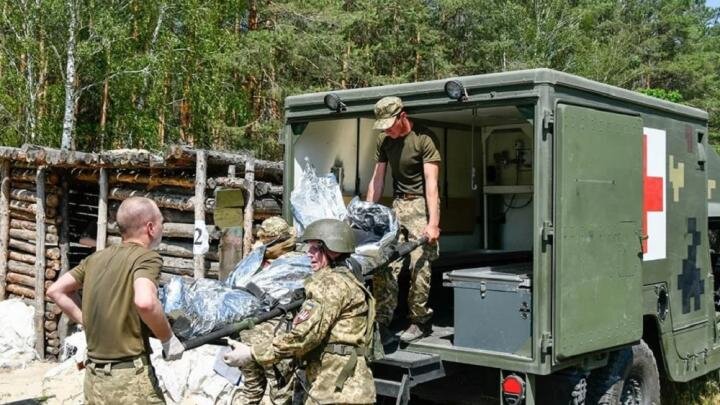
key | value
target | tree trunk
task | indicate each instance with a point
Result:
(70, 97)
(4, 222)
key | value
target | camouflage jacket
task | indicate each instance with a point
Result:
(335, 311)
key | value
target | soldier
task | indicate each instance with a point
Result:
(119, 305)
(412, 153)
(275, 233)
(333, 328)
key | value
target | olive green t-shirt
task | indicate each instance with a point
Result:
(406, 156)
(113, 328)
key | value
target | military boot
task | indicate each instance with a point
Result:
(416, 331)
(386, 335)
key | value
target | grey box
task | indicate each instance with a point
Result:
(493, 308)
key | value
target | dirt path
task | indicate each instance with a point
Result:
(34, 382)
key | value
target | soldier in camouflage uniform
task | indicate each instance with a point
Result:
(333, 328)
(120, 308)
(280, 239)
(412, 153)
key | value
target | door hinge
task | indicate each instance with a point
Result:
(548, 124)
(546, 343)
(548, 232)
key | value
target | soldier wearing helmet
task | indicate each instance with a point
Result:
(278, 379)
(333, 328)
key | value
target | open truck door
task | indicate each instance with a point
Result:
(598, 199)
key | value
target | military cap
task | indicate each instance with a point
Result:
(385, 112)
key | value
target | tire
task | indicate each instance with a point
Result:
(631, 377)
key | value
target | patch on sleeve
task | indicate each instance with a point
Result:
(305, 313)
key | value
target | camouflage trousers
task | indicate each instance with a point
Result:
(412, 215)
(134, 385)
(257, 378)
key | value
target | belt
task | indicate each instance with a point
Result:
(137, 361)
(353, 352)
(407, 196)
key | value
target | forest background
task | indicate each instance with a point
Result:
(108, 74)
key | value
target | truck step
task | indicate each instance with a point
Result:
(411, 368)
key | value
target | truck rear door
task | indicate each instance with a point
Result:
(597, 218)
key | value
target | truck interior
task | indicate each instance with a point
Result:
(486, 190)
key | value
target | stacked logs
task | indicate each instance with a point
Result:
(21, 254)
(173, 192)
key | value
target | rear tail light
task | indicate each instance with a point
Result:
(513, 389)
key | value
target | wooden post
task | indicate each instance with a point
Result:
(249, 199)
(64, 321)
(4, 222)
(200, 180)
(40, 264)
(101, 237)
(230, 251)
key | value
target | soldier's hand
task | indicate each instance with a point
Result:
(239, 356)
(172, 348)
(232, 342)
(432, 232)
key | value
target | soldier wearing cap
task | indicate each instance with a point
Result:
(412, 153)
(333, 328)
(278, 379)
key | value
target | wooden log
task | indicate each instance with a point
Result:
(51, 200)
(188, 264)
(28, 247)
(164, 200)
(230, 250)
(21, 257)
(25, 206)
(52, 335)
(20, 290)
(49, 316)
(20, 279)
(170, 248)
(200, 177)
(28, 175)
(50, 274)
(49, 188)
(151, 181)
(52, 307)
(4, 222)
(64, 243)
(249, 202)
(27, 216)
(40, 286)
(32, 226)
(53, 342)
(265, 170)
(21, 268)
(50, 325)
(262, 188)
(174, 230)
(47, 283)
(24, 234)
(102, 210)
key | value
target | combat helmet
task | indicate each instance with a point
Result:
(336, 235)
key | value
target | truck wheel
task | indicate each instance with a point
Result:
(630, 378)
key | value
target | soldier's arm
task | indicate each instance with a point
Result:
(311, 325)
(62, 292)
(431, 172)
(377, 182)
(149, 308)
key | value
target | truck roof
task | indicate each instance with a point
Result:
(360, 100)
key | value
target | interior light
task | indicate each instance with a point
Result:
(333, 102)
(455, 90)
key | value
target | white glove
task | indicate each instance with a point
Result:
(239, 356)
(172, 348)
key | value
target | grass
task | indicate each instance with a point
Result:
(701, 391)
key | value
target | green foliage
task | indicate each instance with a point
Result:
(215, 73)
(669, 95)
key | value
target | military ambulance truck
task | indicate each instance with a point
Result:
(577, 221)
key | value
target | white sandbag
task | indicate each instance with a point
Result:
(17, 335)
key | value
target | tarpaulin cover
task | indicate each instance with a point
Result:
(316, 198)
(246, 268)
(376, 229)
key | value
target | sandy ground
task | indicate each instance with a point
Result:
(33, 382)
